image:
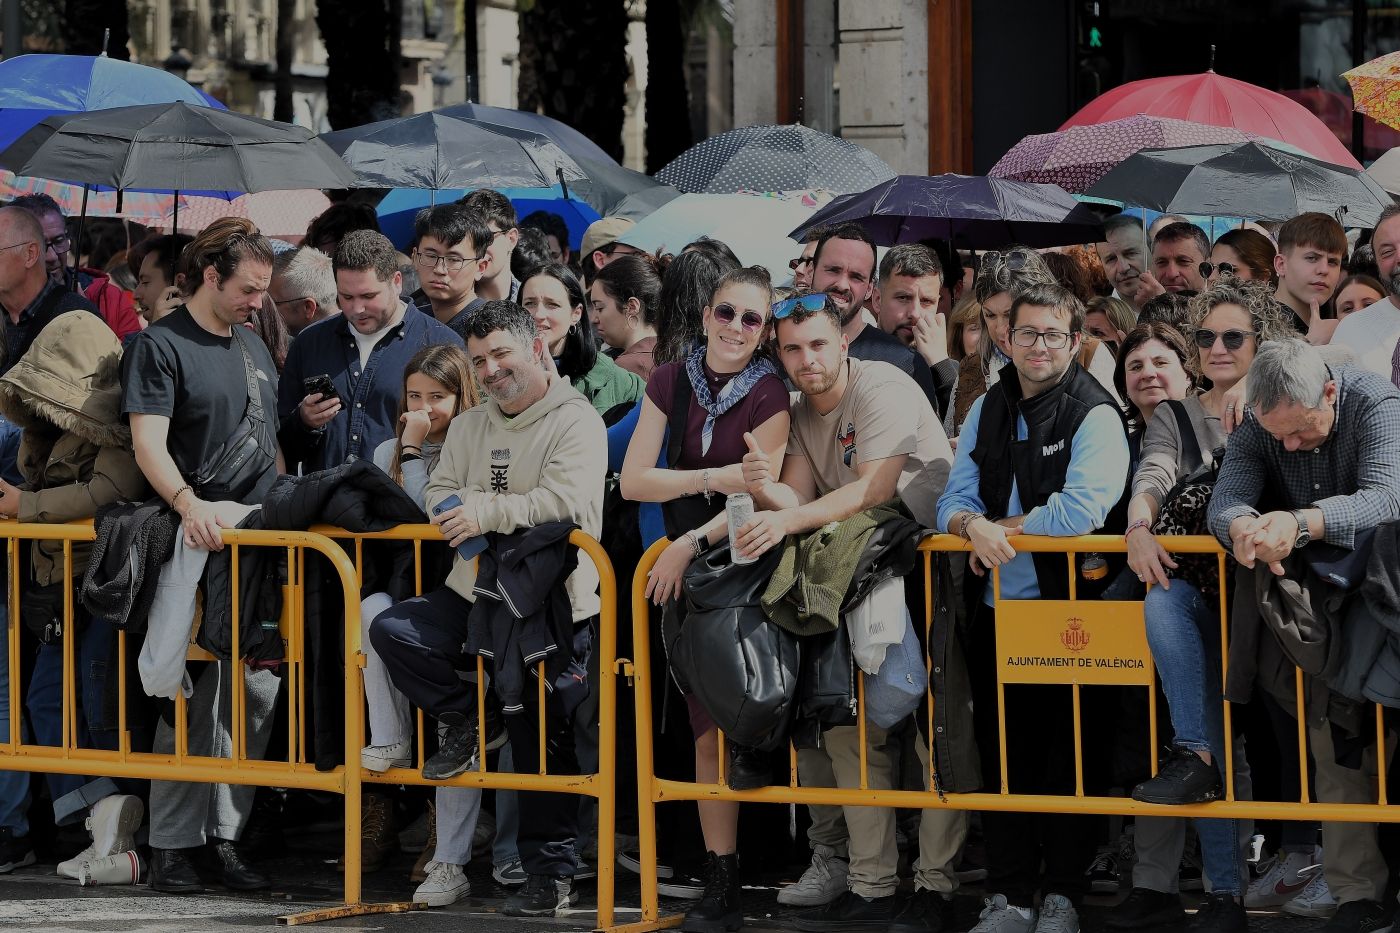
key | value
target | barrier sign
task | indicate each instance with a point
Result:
(1043, 641)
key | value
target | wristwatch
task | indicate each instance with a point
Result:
(1304, 536)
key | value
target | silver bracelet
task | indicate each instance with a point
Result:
(695, 542)
(705, 478)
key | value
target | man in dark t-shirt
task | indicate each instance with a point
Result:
(185, 391)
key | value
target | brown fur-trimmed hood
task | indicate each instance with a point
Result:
(70, 378)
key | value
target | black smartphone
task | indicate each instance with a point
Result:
(321, 384)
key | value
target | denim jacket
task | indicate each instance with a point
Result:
(369, 400)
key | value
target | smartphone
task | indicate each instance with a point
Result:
(321, 384)
(470, 548)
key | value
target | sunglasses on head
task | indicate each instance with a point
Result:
(1015, 261)
(813, 303)
(1233, 339)
(1206, 268)
(725, 314)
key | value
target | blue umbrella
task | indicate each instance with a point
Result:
(401, 205)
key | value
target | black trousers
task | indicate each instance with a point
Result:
(420, 641)
(1040, 760)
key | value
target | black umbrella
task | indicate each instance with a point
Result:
(1243, 180)
(774, 158)
(436, 150)
(971, 211)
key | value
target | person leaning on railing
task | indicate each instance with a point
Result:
(1179, 455)
(1314, 461)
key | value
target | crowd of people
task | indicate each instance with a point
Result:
(490, 380)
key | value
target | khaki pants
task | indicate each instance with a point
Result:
(870, 841)
(1351, 859)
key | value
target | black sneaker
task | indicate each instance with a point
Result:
(540, 896)
(1219, 913)
(1144, 907)
(850, 911)
(719, 910)
(924, 912)
(1184, 779)
(631, 859)
(15, 851)
(683, 883)
(1360, 917)
(1102, 873)
(748, 769)
(458, 746)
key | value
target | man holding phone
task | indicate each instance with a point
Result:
(340, 388)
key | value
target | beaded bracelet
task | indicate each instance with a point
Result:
(1140, 523)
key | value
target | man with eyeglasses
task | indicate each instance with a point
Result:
(363, 351)
(450, 252)
(498, 282)
(115, 304)
(303, 288)
(28, 295)
(1043, 453)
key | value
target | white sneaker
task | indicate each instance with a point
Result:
(445, 885)
(1000, 917)
(511, 874)
(1057, 915)
(1285, 879)
(73, 867)
(822, 882)
(113, 822)
(380, 758)
(1316, 899)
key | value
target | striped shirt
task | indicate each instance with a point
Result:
(1353, 476)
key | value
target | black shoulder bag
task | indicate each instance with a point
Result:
(234, 470)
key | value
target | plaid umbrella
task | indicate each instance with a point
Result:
(140, 207)
(774, 158)
(1375, 88)
(1077, 157)
(281, 214)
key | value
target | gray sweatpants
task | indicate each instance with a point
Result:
(186, 814)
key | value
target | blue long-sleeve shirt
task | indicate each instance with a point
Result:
(649, 517)
(1098, 465)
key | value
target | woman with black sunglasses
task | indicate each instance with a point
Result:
(1183, 622)
(724, 387)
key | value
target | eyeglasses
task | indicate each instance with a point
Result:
(801, 261)
(1027, 336)
(13, 245)
(812, 303)
(725, 314)
(59, 244)
(453, 264)
(1233, 339)
(287, 301)
(1206, 268)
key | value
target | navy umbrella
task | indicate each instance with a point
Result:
(774, 158)
(1243, 180)
(971, 211)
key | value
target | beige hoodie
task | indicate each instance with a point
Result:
(546, 464)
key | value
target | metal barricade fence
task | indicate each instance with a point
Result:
(1062, 632)
(298, 769)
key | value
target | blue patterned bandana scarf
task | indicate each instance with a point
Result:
(733, 392)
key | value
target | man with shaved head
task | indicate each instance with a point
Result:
(28, 296)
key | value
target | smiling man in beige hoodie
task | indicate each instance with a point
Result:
(534, 452)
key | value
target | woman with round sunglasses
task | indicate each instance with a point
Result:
(1183, 626)
(733, 388)
(1246, 254)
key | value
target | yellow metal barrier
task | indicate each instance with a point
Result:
(1035, 625)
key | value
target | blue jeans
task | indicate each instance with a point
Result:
(14, 785)
(1184, 634)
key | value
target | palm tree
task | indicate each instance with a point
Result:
(573, 65)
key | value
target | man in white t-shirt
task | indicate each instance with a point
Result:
(1373, 334)
(862, 434)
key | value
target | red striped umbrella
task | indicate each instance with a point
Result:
(281, 214)
(142, 208)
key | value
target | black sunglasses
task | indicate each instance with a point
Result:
(1015, 261)
(725, 314)
(1233, 339)
(1206, 268)
(801, 261)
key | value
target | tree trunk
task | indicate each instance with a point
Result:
(579, 72)
(85, 22)
(668, 131)
(282, 108)
(362, 80)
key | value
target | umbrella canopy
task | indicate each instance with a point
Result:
(1243, 180)
(436, 150)
(1077, 157)
(972, 211)
(1218, 101)
(281, 214)
(1335, 111)
(753, 225)
(1375, 88)
(176, 147)
(143, 208)
(774, 158)
(400, 206)
(1385, 171)
(33, 87)
(642, 203)
(577, 145)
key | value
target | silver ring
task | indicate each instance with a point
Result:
(1230, 407)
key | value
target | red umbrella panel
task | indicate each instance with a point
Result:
(281, 214)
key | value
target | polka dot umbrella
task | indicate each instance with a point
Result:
(774, 158)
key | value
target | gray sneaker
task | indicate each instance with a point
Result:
(1057, 915)
(1000, 917)
(822, 882)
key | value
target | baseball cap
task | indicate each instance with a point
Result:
(602, 232)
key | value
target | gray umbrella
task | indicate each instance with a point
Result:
(774, 158)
